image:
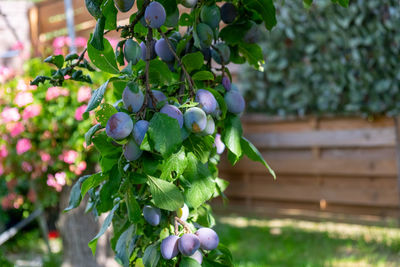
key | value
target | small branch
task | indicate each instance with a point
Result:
(188, 78)
(80, 58)
(176, 227)
(185, 225)
(147, 70)
(222, 60)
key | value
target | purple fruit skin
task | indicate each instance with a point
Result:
(210, 127)
(228, 13)
(132, 151)
(139, 131)
(219, 144)
(119, 126)
(124, 5)
(188, 244)
(155, 15)
(235, 102)
(153, 54)
(208, 238)
(226, 82)
(163, 51)
(169, 247)
(158, 95)
(206, 101)
(195, 120)
(173, 112)
(152, 215)
(132, 101)
(197, 256)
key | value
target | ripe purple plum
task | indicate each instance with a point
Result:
(228, 13)
(124, 5)
(174, 113)
(132, 51)
(205, 34)
(210, 15)
(139, 131)
(206, 101)
(132, 101)
(131, 150)
(219, 144)
(152, 215)
(198, 256)
(195, 120)
(235, 102)
(226, 82)
(153, 54)
(188, 3)
(169, 247)
(155, 15)
(163, 51)
(208, 238)
(158, 95)
(210, 127)
(221, 54)
(119, 126)
(188, 244)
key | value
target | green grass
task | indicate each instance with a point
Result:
(258, 243)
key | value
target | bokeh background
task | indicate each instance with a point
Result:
(324, 113)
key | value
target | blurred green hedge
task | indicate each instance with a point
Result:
(329, 60)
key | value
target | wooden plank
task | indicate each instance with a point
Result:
(326, 138)
(351, 191)
(300, 166)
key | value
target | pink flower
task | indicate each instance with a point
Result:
(79, 112)
(18, 46)
(45, 156)
(23, 99)
(80, 41)
(57, 181)
(21, 86)
(84, 93)
(10, 114)
(67, 77)
(23, 145)
(15, 129)
(3, 151)
(59, 42)
(69, 156)
(26, 167)
(82, 165)
(54, 92)
(31, 111)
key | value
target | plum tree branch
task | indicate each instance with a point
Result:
(188, 78)
(185, 225)
(149, 93)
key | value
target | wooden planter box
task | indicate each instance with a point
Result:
(324, 166)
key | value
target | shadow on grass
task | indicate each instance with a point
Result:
(289, 246)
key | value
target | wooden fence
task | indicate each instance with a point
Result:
(324, 167)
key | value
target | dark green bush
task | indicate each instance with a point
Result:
(348, 64)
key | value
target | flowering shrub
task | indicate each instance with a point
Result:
(42, 145)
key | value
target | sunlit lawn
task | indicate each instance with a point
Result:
(256, 243)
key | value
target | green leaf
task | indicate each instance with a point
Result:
(110, 13)
(89, 134)
(109, 190)
(164, 132)
(75, 195)
(105, 147)
(96, 39)
(92, 182)
(159, 72)
(203, 76)
(93, 6)
(193, 61)
(265, 8)
(252, 152)
(201, 146)
(151, 256)
(188, 262)
(107, 222)
(122, 253)
(253, 54)
(344, 3)
(202, 187)
(134, 212)
(176, 164)
(104, 113)
(232, 134)
(103, 59)
(97, 97)
(233, 34)
(55, 60)
(165, 195)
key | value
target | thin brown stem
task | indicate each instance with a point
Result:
(149, 93)
(80, 58)
(188, 78)
(185, 225)
(222, 60)
(176, 227)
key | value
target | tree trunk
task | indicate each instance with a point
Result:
(76, 230)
